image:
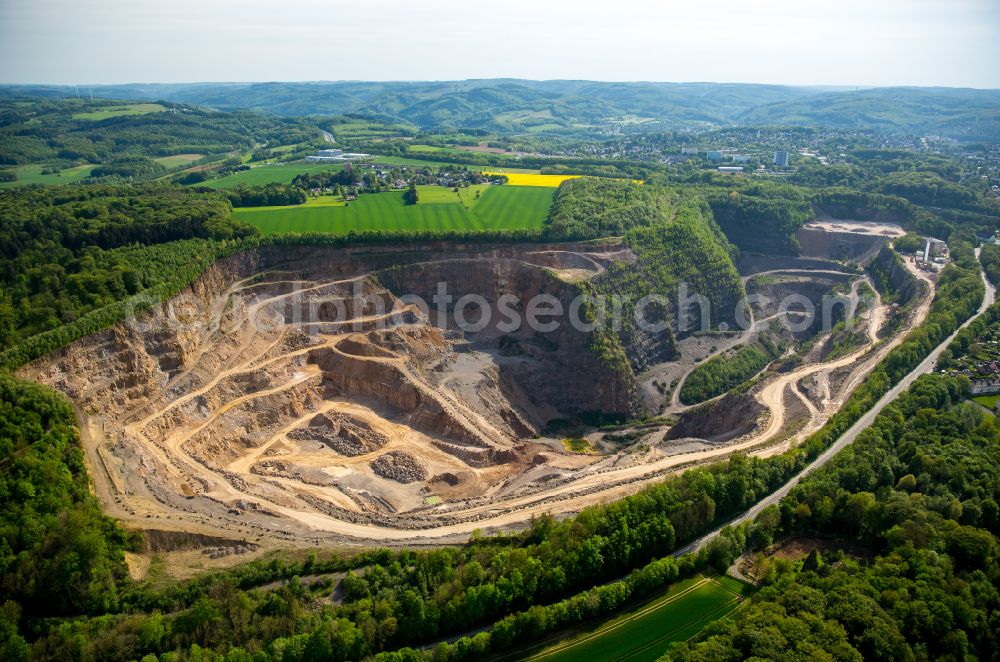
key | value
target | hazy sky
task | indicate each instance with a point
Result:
(841, 42)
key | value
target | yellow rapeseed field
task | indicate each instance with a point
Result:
(523, 179)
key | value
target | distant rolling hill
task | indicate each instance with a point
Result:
(959, 113)
(515, 105)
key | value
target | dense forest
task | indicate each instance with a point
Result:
(586, 208)
(918, 491)
(762, 218)
(65, 252)
(726, 371)
(679, 252)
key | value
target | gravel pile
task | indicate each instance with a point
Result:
(400, 467)
(341, 434)
(234, 550)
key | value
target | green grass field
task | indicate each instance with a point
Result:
(267, 174)
(988, 401)
(32, 174)
(498, 207)
(644, 633)
(119, 111)
(178, 159)
(368, 130)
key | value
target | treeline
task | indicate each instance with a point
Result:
(58, 258)
(572, 164)
(346, 176)
(599, 208)
(608, 171)
(989, 255)
(987, 324)
(927, 188)
(722, 373)
(133, 167)
(762, 217)
(59, 555)
(958, 296)
(919, 490)
(266, 195)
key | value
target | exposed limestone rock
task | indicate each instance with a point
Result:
(342, 434)
(720, 420)
(400, 467)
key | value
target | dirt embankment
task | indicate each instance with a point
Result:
(290, 389)
(894, 276)
(280, 402)
(731, 416)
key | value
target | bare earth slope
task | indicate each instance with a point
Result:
(292, 397)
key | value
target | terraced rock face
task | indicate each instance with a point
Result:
(287, 392)
(299, 397)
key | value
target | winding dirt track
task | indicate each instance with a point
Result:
(851, 434)
(602, 481)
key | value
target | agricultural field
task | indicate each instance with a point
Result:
(364, 130)
(32, 174)
(427, 148)
(524, 179)
(467, 197)
(120, 111)
(176, 160)
(495, 208)
(644, 633)
(507, 171)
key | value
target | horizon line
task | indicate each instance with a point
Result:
(833, 86)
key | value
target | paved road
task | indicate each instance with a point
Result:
(852, 432)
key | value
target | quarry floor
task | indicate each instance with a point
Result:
(232, 451)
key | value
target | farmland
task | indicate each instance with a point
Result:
(120, 111)
(644, 633)
(524, 179)
(439, 209)
(32, 174)
(267, 174)
(176, 160)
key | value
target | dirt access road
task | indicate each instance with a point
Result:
(925, 366)
(177, 462)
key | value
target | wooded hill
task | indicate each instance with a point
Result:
(514, 105)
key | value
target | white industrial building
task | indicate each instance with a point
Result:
(336, 156)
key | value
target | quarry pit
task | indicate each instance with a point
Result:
(291, 398)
